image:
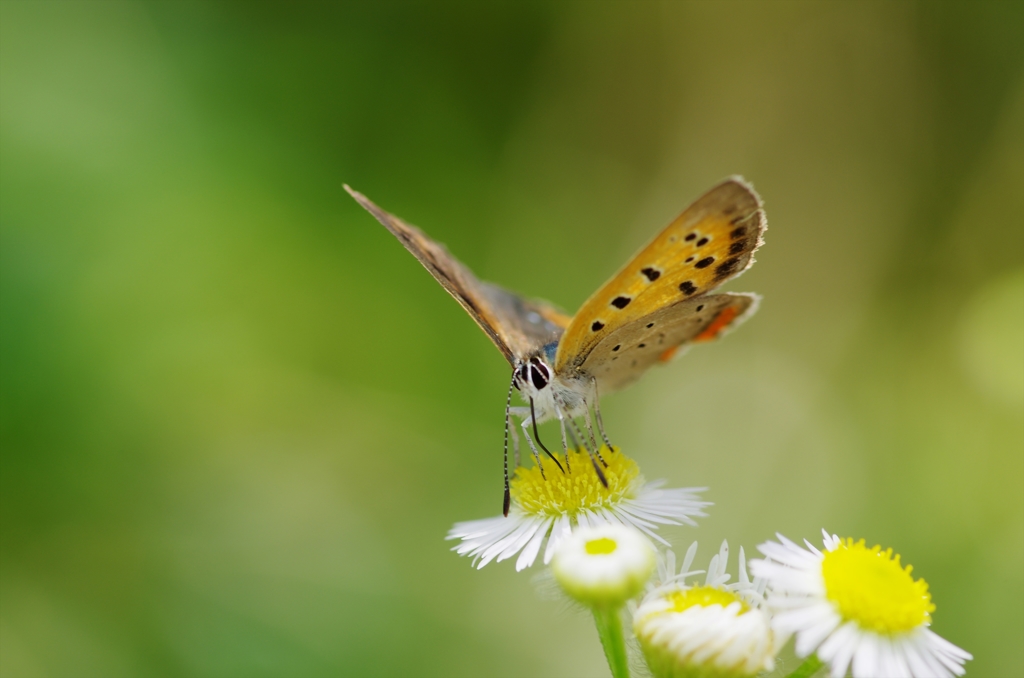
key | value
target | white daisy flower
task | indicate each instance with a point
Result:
(715, 630)
(856, 607)
(551, 509)
(603, 565)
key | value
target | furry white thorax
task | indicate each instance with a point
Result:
(551, 392)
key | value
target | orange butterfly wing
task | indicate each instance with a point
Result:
(711, 242)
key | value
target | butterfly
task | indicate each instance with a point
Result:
(659, 303)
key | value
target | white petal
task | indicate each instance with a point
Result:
(866, 658)
(843, 644)
(525, 536)
(688, 558)
(497, 548)
(559, 531)
(529, 553)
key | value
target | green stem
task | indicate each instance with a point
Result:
(609, 628)
(808, 668)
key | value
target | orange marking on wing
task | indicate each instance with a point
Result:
(720, 322)
(667, 354)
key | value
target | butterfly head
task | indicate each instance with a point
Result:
(532, 376)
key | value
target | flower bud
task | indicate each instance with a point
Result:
(604, 565)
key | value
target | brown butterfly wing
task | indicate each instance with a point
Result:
(626, 352)
(518, 327)
(711, 242)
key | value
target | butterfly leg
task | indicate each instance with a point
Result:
(560, 411)
(525, 420)
(590, 431)
(597, 468)
(597, 414)
(593, 452)
(536, 434)
(528, 418)
(572, 438)
(533, 448)
(579, 435)
(593, 460)
(565, 445)
(595, 455)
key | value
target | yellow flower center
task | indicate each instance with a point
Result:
(600, 547)
(870, 587)
(704, 596)
(578, 488)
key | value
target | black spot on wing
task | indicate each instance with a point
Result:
(738, 232)
(726, 268)
(617, 347)
(702, 242)
(621, 302)
(596, 326)
(737, 247)
(690, 236)
(705, 262)
(689, 259)
(651, 273)
(700, 308)
(650, 325)
(687, 288)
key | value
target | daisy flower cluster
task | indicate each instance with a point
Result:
(849, 609)
(548, 504)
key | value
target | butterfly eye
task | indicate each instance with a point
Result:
(539, 381)
(521, 375)
(540, 375)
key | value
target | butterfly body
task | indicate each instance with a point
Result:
(657, 306)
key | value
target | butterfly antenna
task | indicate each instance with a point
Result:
(536, 434)
(507, 503)
(597, 415)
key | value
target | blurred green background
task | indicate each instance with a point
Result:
(237, 418)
